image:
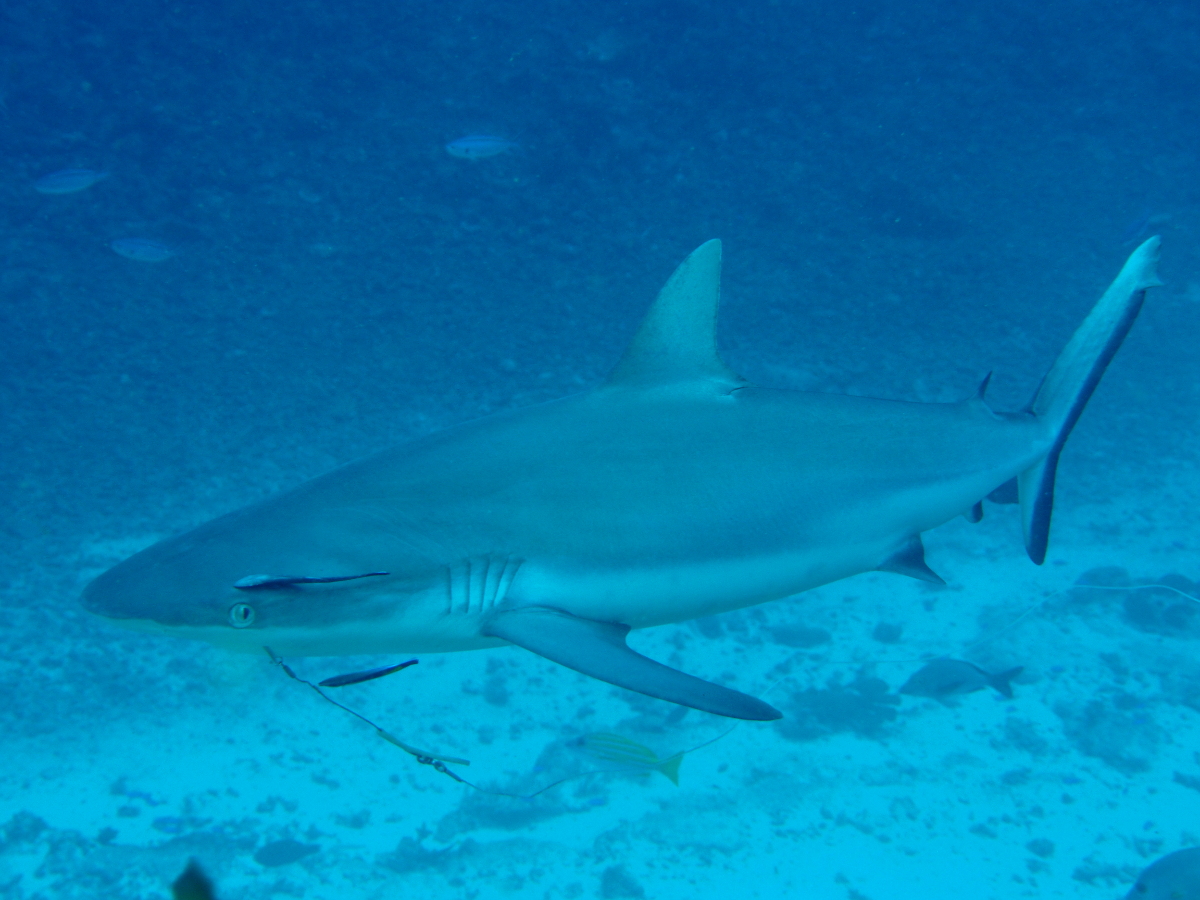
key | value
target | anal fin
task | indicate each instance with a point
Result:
(598, 649)
(910, 560)
(1007, 493)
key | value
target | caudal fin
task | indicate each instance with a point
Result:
(1003, 681)
(670, 768)
(1069, 384)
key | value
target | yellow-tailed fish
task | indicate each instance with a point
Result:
(638, 757)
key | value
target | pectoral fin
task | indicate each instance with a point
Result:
(598, 649)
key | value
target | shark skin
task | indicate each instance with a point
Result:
(674, 490)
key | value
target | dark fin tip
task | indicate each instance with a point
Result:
(1038, 540)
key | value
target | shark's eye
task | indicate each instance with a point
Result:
(241, 615)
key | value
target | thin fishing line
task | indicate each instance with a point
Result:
(438, 762)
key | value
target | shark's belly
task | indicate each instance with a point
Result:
(696, 573)
(676, 592)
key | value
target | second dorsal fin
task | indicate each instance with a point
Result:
(677, 341)
(910, 560)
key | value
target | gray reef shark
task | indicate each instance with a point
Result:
(675, 489)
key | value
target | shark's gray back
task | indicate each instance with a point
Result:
(619, 478)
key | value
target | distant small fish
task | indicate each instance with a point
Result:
(1136, 229)
(368, 675)
(142, 249)
(943, 678)
(1143, 223)
(1175, 876)
(68, 181)
(281, 853)
(617, 749)
(193, 884)
(479, 146)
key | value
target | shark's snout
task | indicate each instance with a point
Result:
(215, 585)
(131, 592)
(115, 597)
(179, 582)
(99, 601)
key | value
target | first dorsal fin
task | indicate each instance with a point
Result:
(677, 341)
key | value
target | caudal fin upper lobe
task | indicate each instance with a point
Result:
(1071, 380)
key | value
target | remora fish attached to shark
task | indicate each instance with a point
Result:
(674, 490)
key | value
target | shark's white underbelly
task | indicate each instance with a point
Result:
(676, 592)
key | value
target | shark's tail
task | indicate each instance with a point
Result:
(1069, 383)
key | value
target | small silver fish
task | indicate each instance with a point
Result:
(1175, 876)
(943, 678)
(68, 181)
(142, 249)
(623, 751)
(267, 582)
(1143, 223)
(368, 675)
(479, 146)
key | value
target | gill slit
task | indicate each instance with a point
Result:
(478, 584)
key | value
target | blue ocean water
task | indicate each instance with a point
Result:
(910, 196)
